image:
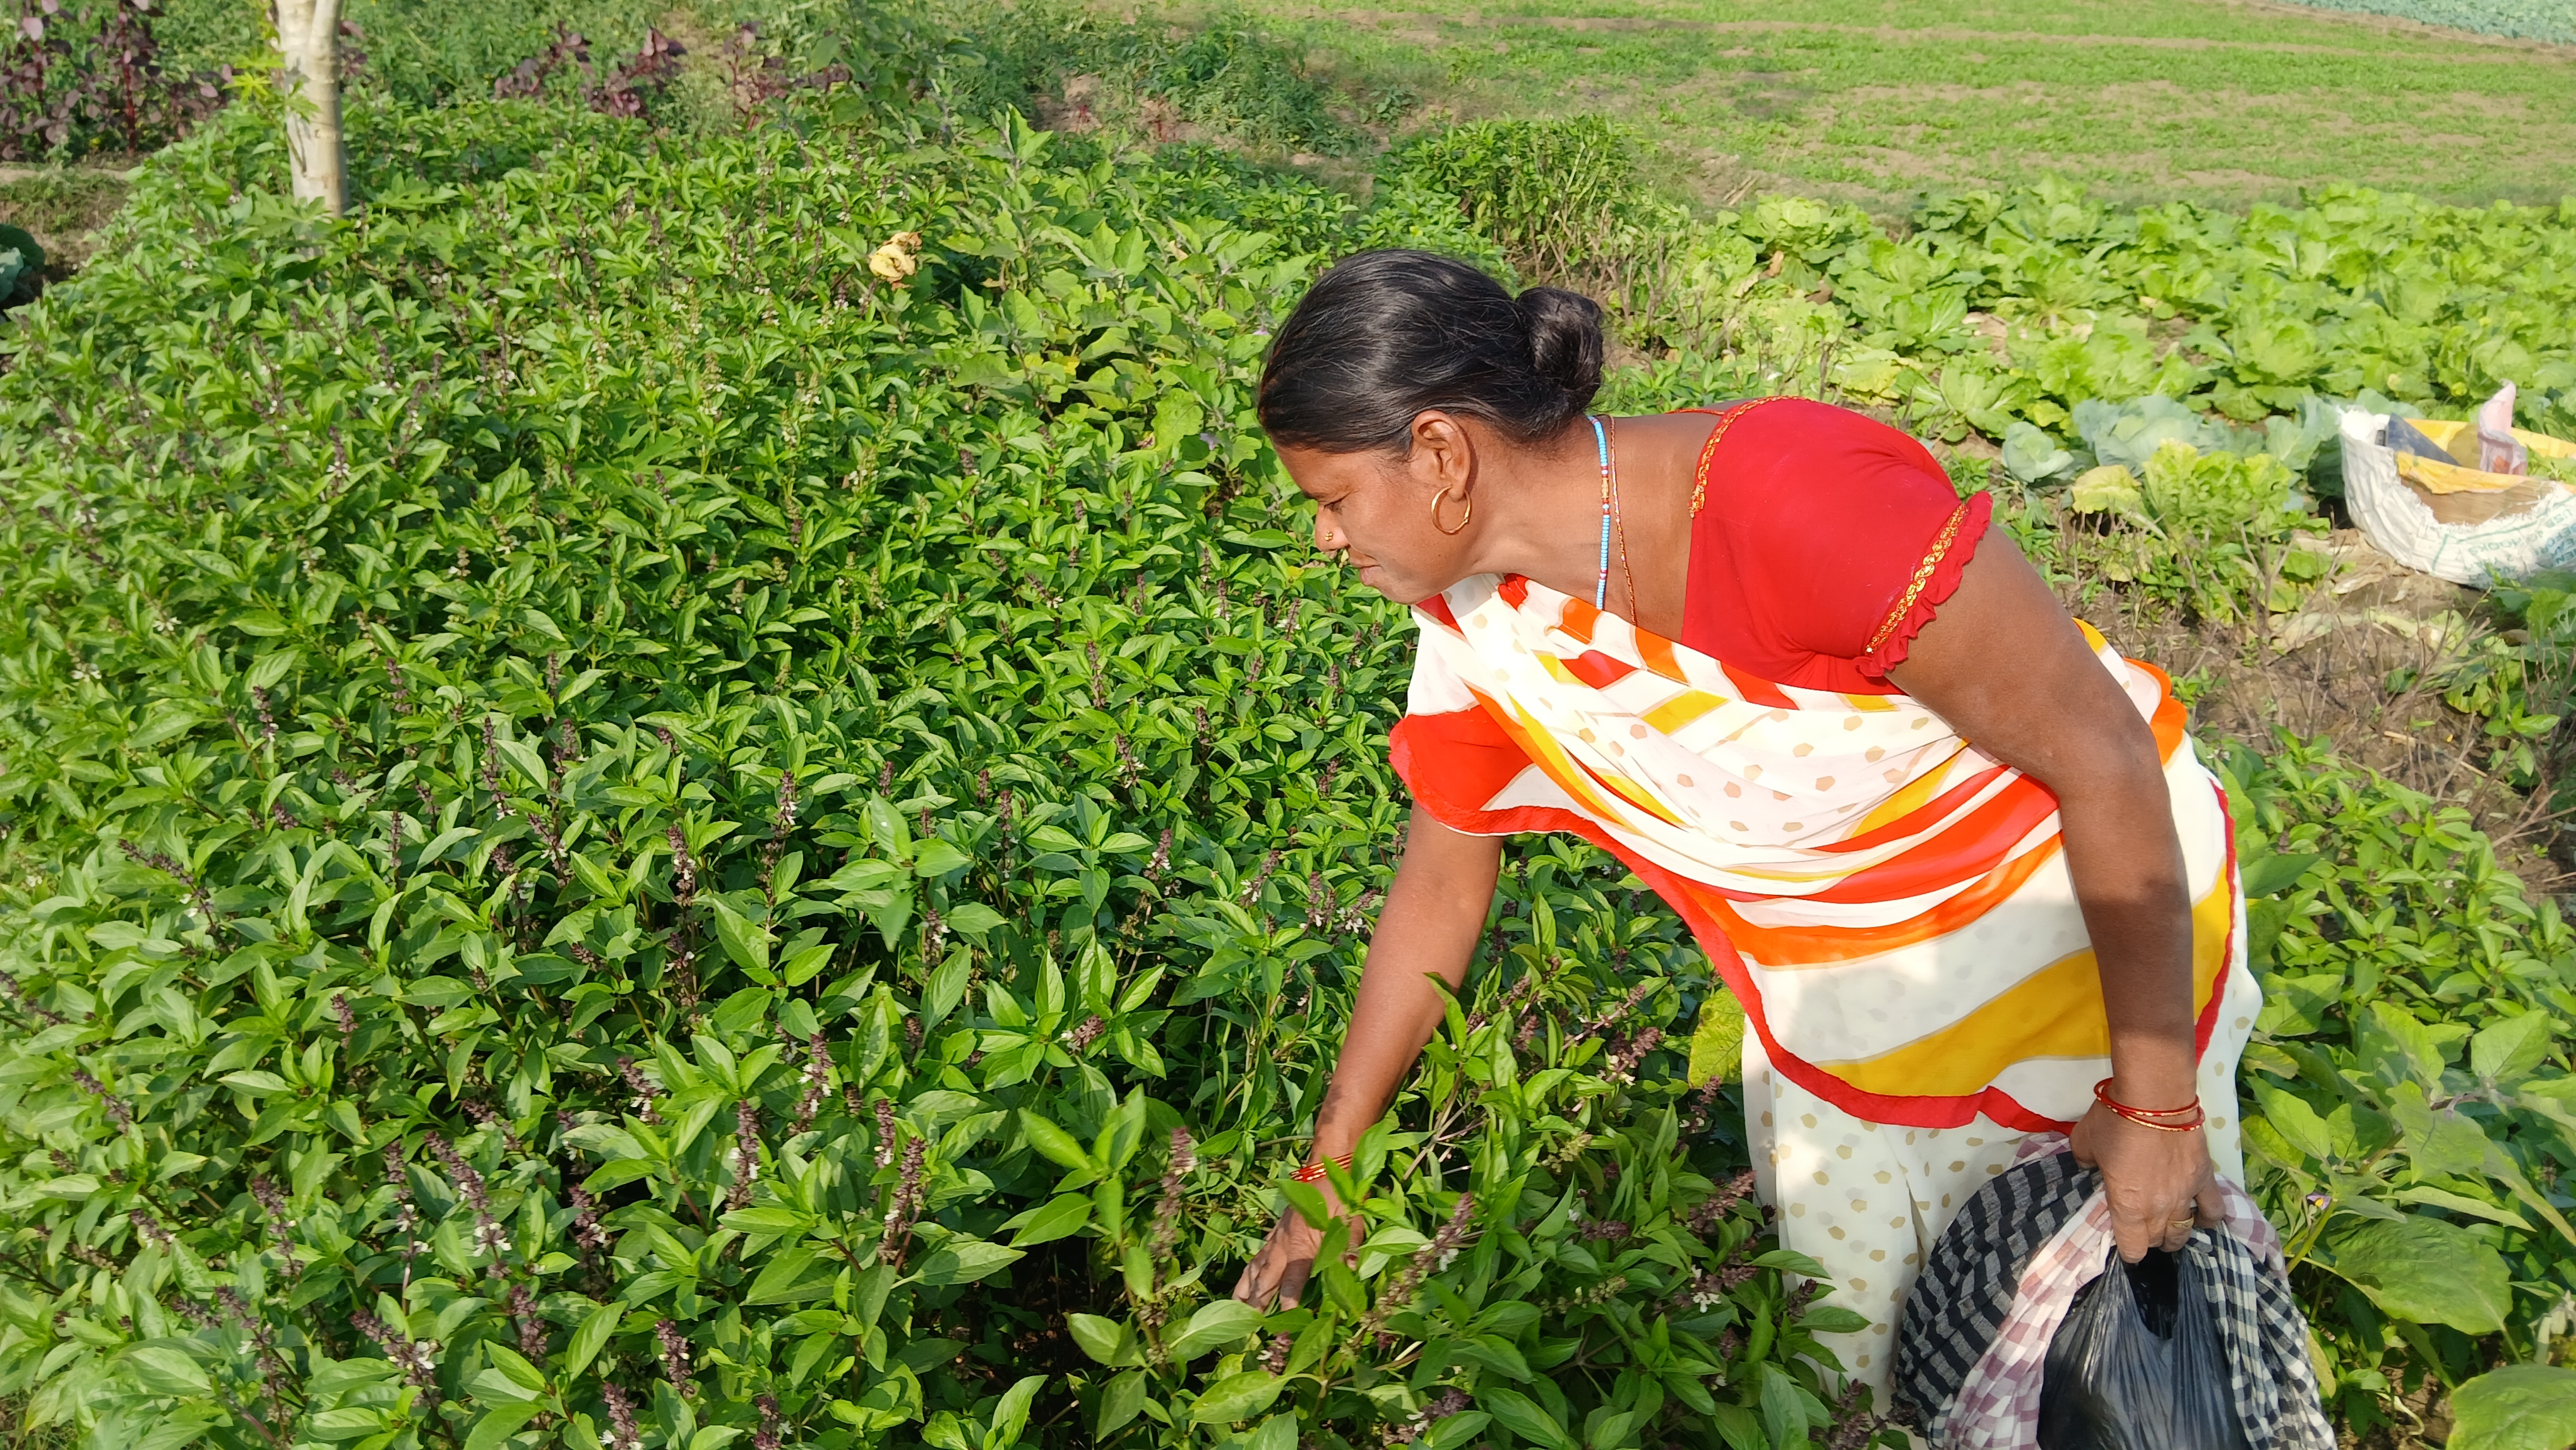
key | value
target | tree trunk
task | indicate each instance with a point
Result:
(308, 44)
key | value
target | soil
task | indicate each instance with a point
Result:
(63, 207)
(2325, 669)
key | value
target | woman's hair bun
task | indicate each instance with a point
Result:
(1565, 340)
(1387, 335)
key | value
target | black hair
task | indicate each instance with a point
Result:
(1386, 334)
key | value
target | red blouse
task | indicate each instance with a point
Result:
(1822, 541)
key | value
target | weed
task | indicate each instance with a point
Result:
(1159, 83)
(1553, 194)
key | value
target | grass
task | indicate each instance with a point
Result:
(1873, 101)
(2230, 102)
(60, 205)
(1081, 70)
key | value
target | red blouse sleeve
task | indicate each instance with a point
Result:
(1824, 542)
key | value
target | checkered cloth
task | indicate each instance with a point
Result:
(1988, 1297)
(1964, 1295)
(2263, 1334)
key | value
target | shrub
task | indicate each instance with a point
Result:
(1552, 194)
(72, 83)
(1225, 76)
(2411, 1055)
(686, 788)
(22, 263)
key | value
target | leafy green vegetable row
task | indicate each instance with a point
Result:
(2523, 19)
(1984, 309)
(2411, 1055)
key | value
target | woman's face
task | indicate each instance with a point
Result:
(1375, 509)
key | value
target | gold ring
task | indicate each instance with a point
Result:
(2181, 1222)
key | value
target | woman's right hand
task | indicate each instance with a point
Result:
(1287, 1259)
(1435, 911)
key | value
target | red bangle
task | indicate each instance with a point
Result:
(2182, 1119)
(1314, 1172)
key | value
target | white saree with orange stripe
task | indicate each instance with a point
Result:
(1889, 904)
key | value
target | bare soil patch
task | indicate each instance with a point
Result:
(2502, 108)
(2361, 661)
(1948, 35)
(1950, 93)
(1723, 179)
(63, 207)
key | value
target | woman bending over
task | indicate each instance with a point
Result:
(1954, 855)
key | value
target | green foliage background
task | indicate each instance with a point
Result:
(621, 830)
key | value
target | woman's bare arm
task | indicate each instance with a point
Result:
(2006, 667)
(1434, 912)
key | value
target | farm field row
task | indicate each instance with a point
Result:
(1862, 101)
(2549, 20)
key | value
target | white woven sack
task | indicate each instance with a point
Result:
(2399, 524)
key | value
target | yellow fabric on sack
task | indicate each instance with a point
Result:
(2460, 440)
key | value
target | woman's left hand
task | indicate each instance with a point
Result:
(2159, 1184)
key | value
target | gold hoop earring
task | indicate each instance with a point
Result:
(1462, 518)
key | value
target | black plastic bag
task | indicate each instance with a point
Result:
(2137, 1365)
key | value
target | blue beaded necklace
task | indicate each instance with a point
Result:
(1601, 584)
